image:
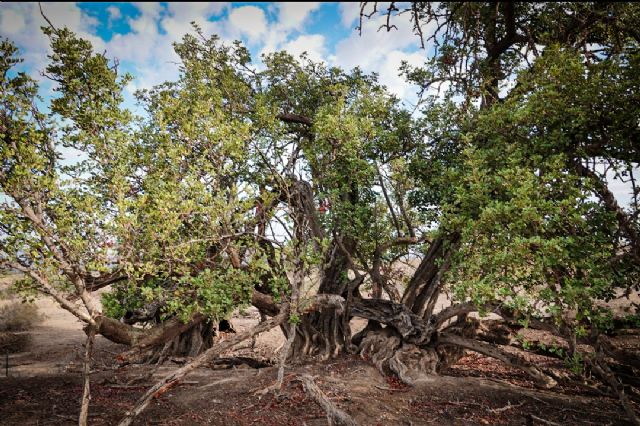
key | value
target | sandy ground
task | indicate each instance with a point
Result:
(44, 387)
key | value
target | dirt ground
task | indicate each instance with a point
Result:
(44, 388)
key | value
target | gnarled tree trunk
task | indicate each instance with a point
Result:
(325, 333)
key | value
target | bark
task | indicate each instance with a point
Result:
(284, 355)
(144, 339)
(302, 193)
(608, 377)
(86, 377)
(193, 341)
(622, 355)
(451, 312)
(423, 276)
(320, 334)
(141, 340)
(323, 333)
(410, 327)
(118, 332)
(296, 285)
(295, 118)
(265, 303)
(387, 351)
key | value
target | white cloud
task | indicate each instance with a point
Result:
(292, 18)
(294, 14)
(114, 13)
(388, 70)
(146, 49)
(11, 22)
(150, 9)
(370, 48)
(622, 190)
(349, 12)
(21, 23)
(178, 22)
(249, 21)
(381, 51)
(313, 44)
(150, 50)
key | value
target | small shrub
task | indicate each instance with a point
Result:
(18, 316)
(7, 281)
(13, 342)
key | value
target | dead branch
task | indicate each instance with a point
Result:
(47, 19)
(286, 349)
(543, 421)
(452, 311)
(412, 328)
(607, 375)
(507, 407)
(47, 288)
(335, 416)
(175, 377)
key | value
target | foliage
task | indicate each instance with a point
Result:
(183, 201)
(527, 105)
(239, 177)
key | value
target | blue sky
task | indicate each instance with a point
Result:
(140, 34)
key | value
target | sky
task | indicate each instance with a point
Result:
(140, 36)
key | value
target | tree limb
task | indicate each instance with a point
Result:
(86, 376)
(493, 351)
(174, 378)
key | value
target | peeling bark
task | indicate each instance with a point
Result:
(411, 327)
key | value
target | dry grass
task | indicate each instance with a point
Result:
(18, 316)
(15, 315)
(6, 282)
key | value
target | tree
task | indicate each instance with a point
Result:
(176, 210)
(539, 105)
(301, 188)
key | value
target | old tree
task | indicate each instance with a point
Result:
(311, 193)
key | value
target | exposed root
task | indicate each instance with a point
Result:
(412, 363)
(335, 416)
(390, 355)
(488, 349)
